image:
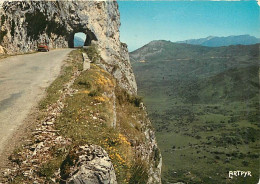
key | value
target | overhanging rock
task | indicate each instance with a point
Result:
(25, 24)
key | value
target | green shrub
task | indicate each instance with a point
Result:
(157, 157)
(245, 163)
(93, 93)
(2, 34)
(123, 97)
(136, 100)
(84, 83)
(93, 53)
(139, 172)
(48, 169)
(69, 161)
(2, 19)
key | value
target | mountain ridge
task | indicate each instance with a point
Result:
(216, 41)
(167, 50)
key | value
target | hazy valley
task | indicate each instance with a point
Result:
(203, 103)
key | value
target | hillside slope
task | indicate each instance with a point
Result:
(204, 105)
(87, 119)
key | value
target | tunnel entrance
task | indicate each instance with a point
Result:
(77, 38)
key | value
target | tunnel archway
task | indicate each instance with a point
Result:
(90, 36)
(87, 42)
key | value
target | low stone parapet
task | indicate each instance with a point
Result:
(86, 61)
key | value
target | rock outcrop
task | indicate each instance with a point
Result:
(25, 24)
(150, 151)
(88, 164)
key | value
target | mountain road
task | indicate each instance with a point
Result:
(23, 80)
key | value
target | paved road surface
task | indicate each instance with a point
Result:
(23, 80)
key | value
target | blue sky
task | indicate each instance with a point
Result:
(144, 21)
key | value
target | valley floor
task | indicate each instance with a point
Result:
(204, 105)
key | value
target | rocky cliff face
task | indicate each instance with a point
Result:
(25, 24)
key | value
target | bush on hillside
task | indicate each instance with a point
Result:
(93, 53)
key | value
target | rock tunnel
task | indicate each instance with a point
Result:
(89, 37)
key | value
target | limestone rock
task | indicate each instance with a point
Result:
(2, 51)
(86, 62)
(88, 164)
(25, 24)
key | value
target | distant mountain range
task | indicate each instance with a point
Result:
(214, 41)
(78, 42)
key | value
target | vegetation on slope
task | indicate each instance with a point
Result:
(204, 105)
(87, 118)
